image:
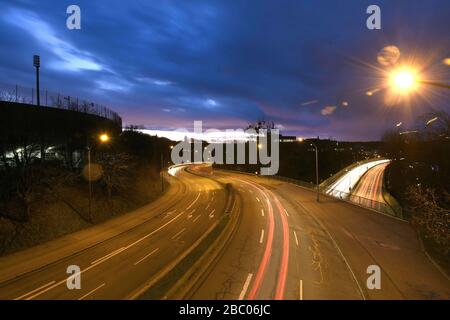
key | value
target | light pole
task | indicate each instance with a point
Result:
(162, 172)
(104, 138)
(317, 169)
(37, 64)
(90, 183)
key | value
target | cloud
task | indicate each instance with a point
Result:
(328, 110)
(68, 57)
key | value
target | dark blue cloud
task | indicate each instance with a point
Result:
(164, 64)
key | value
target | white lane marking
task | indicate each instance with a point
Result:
(196, 218)
(261, 239)
(262, 212)
(211, 215)
(286, 212)
(91, 292)
(193, 202)
(337, 248)
(246, 284)
(190, 213)
(35, 290)
(94, 265)
(296, 239)
(258, 199)
(301, 289)
(251, 191)
(109, 255)
(178, 234)
(148, 255)
(168, 214)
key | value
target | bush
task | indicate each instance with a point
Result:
(430, 214)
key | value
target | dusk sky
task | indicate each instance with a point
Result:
(304, 64)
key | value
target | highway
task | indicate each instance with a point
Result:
(118, 258)
(369, 189)
(285, 246)
(346, 183)
(288, 246)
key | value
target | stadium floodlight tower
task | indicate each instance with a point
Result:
(37, 64)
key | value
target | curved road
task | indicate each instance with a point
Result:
(286, 246)
(369, 189)
(119, 257)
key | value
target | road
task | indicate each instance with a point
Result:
(119, 257)
(369, 189)
(344, 185)
(286, 246)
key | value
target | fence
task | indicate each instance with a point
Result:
(383, 207)
(366, 202)
(26, 95)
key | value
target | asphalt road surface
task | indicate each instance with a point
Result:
(286, 246)
(369, 189)
(127, 252)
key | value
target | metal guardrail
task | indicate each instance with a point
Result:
(26, 95)
(362, 201)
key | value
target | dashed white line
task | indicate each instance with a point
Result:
(178, 234)
(211, 215)
(246, 284)
(168, 214)
(35, 290)
(109, 255)
(148, 255)
(91, 292)
(258, 199)
(193, 202)
(262, 212)
(190, 213)
(296, 239)
(261, 238)
(301, 289)
(286, 212)
(196, 218)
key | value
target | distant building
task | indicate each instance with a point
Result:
(288, 138)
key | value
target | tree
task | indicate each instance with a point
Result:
(430, 216)
(117, 169)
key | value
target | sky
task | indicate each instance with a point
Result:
(306, 65)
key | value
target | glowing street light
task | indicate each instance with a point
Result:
(403, 80)
(104, 137)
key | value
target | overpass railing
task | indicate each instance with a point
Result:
(364, 202)
(27, 95)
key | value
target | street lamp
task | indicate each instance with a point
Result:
(403, 80)
(312, 144)
(103, 138)
(317, 169)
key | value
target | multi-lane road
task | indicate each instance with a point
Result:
(369, 189)
(119, 258)
(285, 246)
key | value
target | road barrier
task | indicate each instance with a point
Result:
(385, 208)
